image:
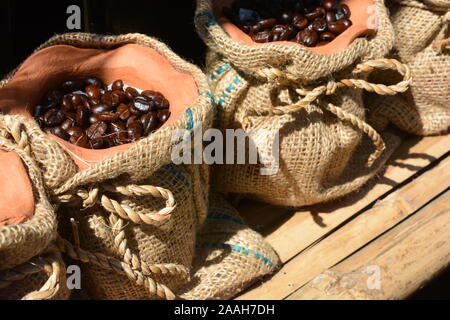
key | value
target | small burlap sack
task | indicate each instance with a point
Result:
(131, 217)
(422, 32)
(314, 101)
(230, 256)
(31, 267)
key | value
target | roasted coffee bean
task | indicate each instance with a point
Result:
(81, 140)
(142, 104)
(329, 4)
(117, 85)
(93, 81)
(150, 122)
(108, 116)
(267, 24)
(100, 143)
(346, 11)
(117, 127)
(262, 37)
(121, 96)
(54, 96)
(336, 27)
(307, 37)
(163, 115)
(319, 25)
(101, 108)
(131, 93)
(300, 22)
(131, 120)
(107, 99)
(37, 112)
(60, 132)
(54, 117)
(124, 112)
(74, 131)
(93, 92)
(134, 130)
(77, 99)
(330, 16)
(67, 104)
(72, 86)
(346, 22)
(317, 13)
(96, 130)
(82, 117)
(286, 17)
(67, 124)
(327, 36)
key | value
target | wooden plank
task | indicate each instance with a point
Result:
(355, 234)
(394, 266)
(291, 232)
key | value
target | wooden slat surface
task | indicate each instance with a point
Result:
(394, 266)
(291, 232)
(299, 238)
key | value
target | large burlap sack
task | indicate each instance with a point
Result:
(131, 216)
(422, 32)
(30, 266)
(229, 257)
(314, 101)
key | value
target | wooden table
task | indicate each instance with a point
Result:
(385, 242)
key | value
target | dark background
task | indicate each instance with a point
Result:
(24, 25)
(27, 24)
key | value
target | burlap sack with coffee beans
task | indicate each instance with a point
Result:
(230, 256)
(134, 215)
(314, 101)
(30, 266)
(422, 31)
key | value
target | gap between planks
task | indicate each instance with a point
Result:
(413, 156)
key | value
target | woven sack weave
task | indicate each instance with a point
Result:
(131, 218)
(229, 257)
(422, 30)
(315, 103)
(30, 266)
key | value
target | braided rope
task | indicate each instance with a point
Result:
(50, 262)
(120, 267)
(310, 96)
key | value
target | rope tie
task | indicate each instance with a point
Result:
(310, 96)
(50, 263)
(440, 45)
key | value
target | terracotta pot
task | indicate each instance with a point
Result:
(361, 17)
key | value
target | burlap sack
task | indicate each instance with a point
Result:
(30, 266)
(314, 101)
(134, 214)
(422, 32)
(229, 257)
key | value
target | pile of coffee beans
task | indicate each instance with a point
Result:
(90, 115)
(308, 22)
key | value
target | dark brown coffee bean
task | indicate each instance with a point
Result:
(80, 140)
(53, 117)
(150, 122)
(117, 126)
(346, 10)
(131, 120)
(101, 108)
(93, 92)
(336, 27)
(96, 130)
(286, 17)
(267, 24)
(72, 86)
(93, 118)
(124, 112)
(121, 95)
(150, 94)
(327, 36)
(74, 131)
(93, 81)
(37, 111)
(329, 4)
(100, 143)
(108, 116)
(131, 93)
(117, 85)
(319, 25)
(346, 22)
(82, 117)
(67, 104)
(330, 16)
(60, 132)
(262, 37)
(77, 99)
(67, 124)
(163, 115)
(307, 37)
(317, 13)
(133, 110)
(300, 22)
(142, 104)
(134, 131)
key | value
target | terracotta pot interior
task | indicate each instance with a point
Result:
(137, 66)
(361, 16)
